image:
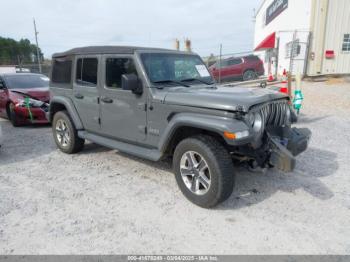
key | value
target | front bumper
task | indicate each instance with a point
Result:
(285, 143)
(38, 115)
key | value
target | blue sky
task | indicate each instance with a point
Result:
(66, 24)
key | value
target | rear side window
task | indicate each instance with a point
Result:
(61, 71)
(115, 68)
(235, 61)
(252, 58)
(86, 73)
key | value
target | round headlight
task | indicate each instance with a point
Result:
(257, 124)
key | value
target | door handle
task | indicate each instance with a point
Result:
(79, 96)
(107, 100)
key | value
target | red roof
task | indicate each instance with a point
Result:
(267, 43)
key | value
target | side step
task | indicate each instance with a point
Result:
(150, 154)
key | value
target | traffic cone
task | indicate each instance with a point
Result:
(284, 84)
(270, 78)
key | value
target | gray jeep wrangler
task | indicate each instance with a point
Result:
(157, 103)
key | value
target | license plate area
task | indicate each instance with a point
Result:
(285, 144)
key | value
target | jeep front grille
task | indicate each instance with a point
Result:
(275, 113)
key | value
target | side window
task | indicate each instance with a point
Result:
(346, 43)
(61, 71)
(234, 61)
(86, 73)
(2, 84)
(224, 63)
(115, 68)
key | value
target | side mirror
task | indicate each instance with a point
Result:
(133, 83)
(2, 86)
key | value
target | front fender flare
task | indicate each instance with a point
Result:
(215, 124)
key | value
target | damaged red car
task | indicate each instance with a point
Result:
(24, 98)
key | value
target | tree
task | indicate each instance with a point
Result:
(14, 52)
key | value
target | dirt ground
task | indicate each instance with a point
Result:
(101, 201)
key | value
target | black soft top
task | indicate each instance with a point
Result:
(106, 50)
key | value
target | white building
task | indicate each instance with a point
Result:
(311, 37)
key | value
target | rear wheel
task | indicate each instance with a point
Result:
(249, 75)
(65, 133)
(11, 114)
(203, 170)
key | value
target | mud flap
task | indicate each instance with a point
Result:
(285, 144)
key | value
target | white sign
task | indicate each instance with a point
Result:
(202, 70)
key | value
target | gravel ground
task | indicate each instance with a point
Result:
(101, 201)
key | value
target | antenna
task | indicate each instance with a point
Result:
(37, 46)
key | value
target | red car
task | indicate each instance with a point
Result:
(243, 68)
(24, 98)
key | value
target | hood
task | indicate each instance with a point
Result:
(221, 98)
(41, 94)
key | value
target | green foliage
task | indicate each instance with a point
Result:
(14, 52)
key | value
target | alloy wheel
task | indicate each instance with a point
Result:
(195, 172)
(62, 133)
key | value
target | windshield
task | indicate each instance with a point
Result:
(167, 67)
(26, 81)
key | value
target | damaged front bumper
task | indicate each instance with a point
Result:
(285, 143)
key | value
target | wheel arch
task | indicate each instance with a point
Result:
(185, 125)
(61, 103)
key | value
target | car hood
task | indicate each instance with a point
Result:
(41, 94)
(221, 98)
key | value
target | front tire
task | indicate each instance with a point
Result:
(203, 170)
(249, 75)
(11, 114)
(65, 134)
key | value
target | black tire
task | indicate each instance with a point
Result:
(74, 143)
(12, 115)
(249, 75)
(219, 164)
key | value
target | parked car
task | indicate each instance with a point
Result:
(242, 68)
(24, 98)
(156, 103)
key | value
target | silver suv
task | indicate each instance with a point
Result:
(156, 103)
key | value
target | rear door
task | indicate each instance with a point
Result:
(123, 113)
(224, 69)
(85, 89)
(235, 67)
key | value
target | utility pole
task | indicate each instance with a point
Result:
(37, 46)
(220, 55)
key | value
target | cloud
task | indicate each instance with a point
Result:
(66, 24)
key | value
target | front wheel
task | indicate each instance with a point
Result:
(203, 170)
(249, 75)
(11, 114)
(65, 134)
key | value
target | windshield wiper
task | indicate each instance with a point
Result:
(171, 81)
(196, 79)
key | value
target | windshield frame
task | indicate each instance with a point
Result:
(9, 85)
(152, 84)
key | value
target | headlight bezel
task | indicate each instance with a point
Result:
(255, 121)
(32, 103)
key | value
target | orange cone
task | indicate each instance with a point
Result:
(284, 84)
(270, 77)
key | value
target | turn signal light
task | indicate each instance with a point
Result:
(237, 135)
(229, 135)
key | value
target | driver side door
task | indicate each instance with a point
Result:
(123, 113)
